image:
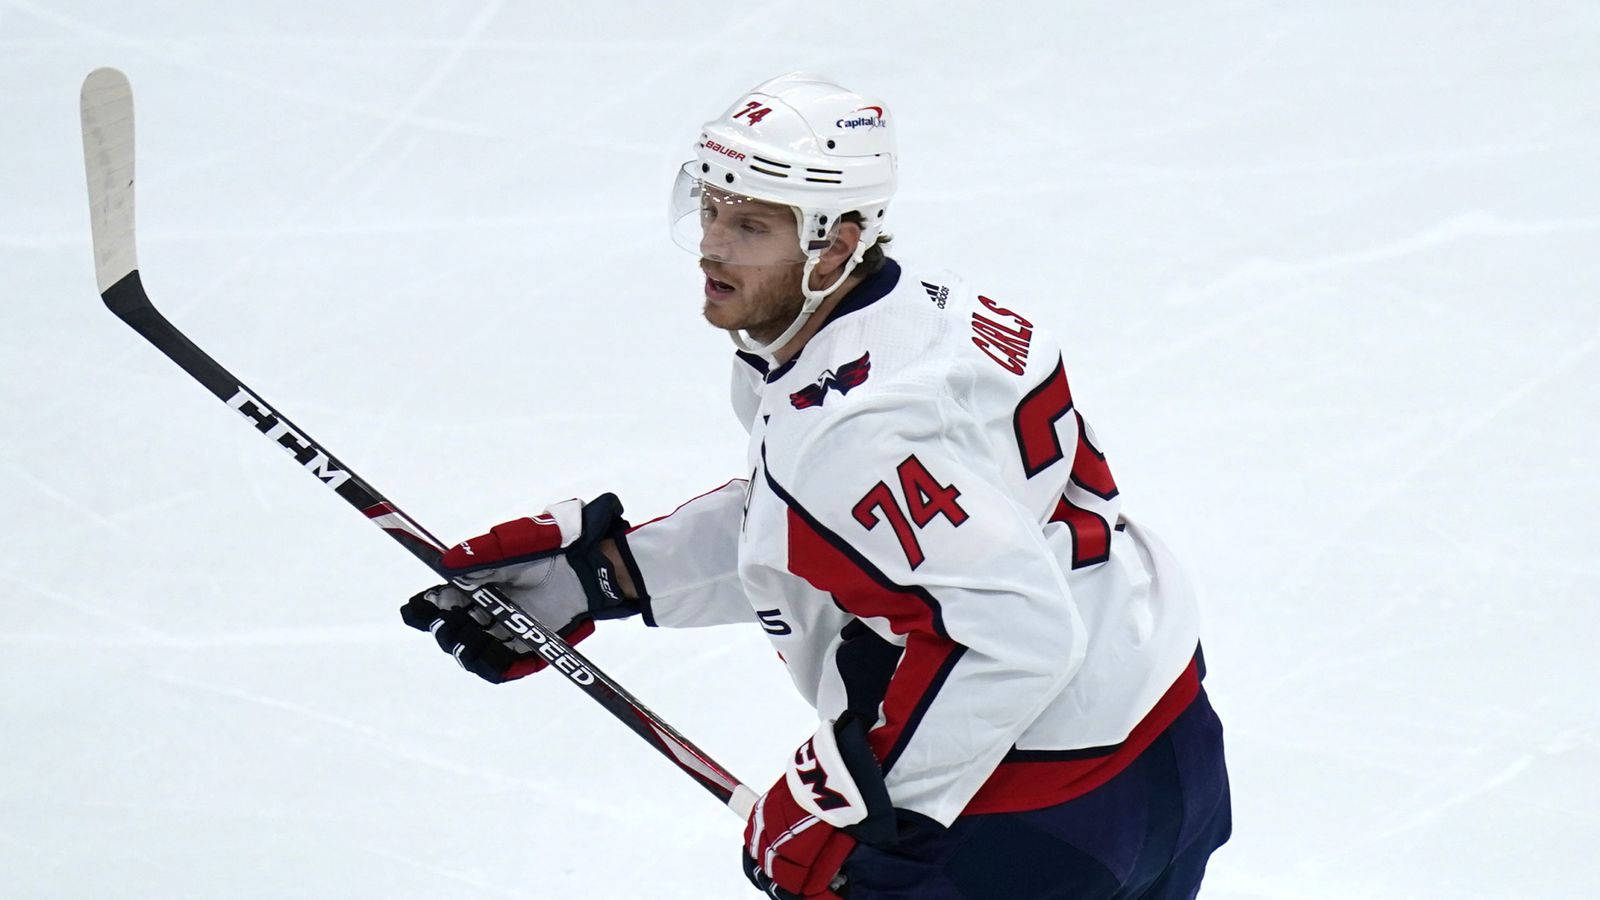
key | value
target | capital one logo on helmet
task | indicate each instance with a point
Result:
(874, 120)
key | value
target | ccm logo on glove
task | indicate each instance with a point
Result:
(803, 829)
(809, 772)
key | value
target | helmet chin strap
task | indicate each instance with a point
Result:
(814, 298)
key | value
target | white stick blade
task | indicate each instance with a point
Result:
(106, 104)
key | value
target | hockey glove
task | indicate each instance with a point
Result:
(831, 796)
(550, 565)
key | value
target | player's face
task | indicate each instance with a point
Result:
(750, 253)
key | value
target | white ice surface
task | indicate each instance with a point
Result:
(1327, 273)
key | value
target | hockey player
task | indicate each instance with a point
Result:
(1005, 668)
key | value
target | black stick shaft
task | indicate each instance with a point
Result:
(128, 300)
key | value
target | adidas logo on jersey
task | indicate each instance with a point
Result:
(938, 293)
(850, 375)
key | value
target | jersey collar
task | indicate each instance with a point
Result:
(875, 288)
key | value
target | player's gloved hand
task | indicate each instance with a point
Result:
(550, 565)
(830, 797)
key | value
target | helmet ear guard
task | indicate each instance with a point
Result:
(816, 227)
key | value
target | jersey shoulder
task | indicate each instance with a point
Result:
(947, 328)
(887, 349)
(926, 347)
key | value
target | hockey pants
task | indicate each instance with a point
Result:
(1146, 833)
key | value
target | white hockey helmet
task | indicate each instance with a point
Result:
(801, 141)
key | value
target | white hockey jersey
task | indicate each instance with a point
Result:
(930, 535)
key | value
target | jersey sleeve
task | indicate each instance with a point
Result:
(689, 561)
(893, 512)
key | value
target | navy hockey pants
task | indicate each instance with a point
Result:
(1146, 833)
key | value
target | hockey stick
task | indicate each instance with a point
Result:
(106, 103)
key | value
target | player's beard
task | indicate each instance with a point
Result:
(765, 299)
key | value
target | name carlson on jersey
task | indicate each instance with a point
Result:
(1005, 344)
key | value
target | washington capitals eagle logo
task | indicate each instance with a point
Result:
(843, 378)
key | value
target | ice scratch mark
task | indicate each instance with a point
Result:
(555, 220)
(1468, 225)
(424, 91)
(325, 636)
(1427, 460)
(480, 771)
(174, 52)
(88, 512)
(1131, 174)
(72, 601)
(449, 874)
(1431, 815)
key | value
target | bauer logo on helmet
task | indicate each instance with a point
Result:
(715, 147)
